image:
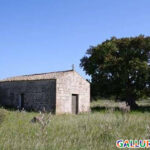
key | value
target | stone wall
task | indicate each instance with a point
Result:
(37, 94)
(40, 91)
(68, 84)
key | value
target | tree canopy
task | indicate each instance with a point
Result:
(119, 67)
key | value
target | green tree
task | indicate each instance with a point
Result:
(119, 67)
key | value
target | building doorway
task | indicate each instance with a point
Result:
(21, 101)
(75, 103)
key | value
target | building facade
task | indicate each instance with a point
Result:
(57, 92)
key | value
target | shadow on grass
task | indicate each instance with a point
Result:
(103, 108)
(143, 109)
(27, 110)
(9, 108)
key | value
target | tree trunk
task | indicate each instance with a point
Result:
(131, 102)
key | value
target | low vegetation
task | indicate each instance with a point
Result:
(97, 130)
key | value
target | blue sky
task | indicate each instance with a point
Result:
(50, 35)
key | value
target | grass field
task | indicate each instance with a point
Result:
(97, 130)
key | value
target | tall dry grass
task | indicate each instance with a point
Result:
(91, 131)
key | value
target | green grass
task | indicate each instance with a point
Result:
(91, 131)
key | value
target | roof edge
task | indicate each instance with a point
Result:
(81, 76)
(36, 74)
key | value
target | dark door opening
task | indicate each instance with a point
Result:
(53, 96)
(75, 103)
(22, 101)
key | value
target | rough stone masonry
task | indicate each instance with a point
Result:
(57, 92)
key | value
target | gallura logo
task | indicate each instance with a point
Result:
(133, 143)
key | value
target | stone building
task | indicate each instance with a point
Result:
(58, 92)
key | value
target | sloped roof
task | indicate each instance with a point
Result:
(40, 76)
